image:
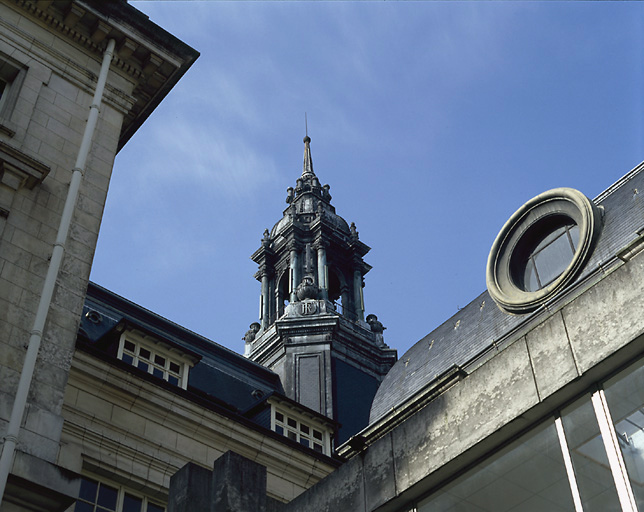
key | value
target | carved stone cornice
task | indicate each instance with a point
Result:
(294, 245)
(149, 54)
(320, 244)
(265, 270)
(18, 170)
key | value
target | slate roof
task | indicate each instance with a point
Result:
(220, 372)
(221, 380)
(481, 328)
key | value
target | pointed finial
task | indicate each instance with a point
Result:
(307, 170)
(306, 130)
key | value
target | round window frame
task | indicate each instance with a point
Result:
(556, 203)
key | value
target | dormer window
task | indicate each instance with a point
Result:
(308, 431)
(155, 358)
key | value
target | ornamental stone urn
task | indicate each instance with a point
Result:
(307, 289)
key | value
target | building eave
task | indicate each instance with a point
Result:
(154, 58)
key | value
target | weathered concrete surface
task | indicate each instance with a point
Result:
(190, 489)
(551, 356)
(608, 316)
(379, 471)
(582, 342)
(51, 488)
(476, 407)
(238, 485)
(343, 490)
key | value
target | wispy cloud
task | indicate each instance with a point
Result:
(209, 157)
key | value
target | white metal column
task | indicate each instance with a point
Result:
(615, 458)
(572, 480)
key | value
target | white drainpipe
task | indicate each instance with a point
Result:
(20, 401)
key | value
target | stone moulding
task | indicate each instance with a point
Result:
(19, 170)
(559, 202)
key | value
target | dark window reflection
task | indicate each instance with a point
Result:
(589, 459)
(526, 476)
(625, 397)
(544, 252)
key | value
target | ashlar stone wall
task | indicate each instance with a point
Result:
(42, 119)
(139, 433)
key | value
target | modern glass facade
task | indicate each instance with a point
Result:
(589, 457)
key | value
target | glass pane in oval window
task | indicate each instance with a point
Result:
(574, 235)
(543, 257)
(530, 277)
(552, 259)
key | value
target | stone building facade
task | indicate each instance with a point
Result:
(145, 397)
(528, 399)
(62, 121)
(102, 401)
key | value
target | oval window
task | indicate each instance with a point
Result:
(541, 249)
(544, 252)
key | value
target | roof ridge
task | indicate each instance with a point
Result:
(620, 183)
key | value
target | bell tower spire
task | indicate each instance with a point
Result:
(307, 171)
(312, 328)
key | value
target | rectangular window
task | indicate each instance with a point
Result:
(97, 496)
(528, 474)
(589, 459)
(302, 431)
(154, 360)
(601, 437)
(11, 77)
(625, 397)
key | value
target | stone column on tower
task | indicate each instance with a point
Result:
(265, 300)
(358, 299)
(322, 270)
(295, 271)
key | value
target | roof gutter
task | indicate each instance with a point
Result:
(26, 376)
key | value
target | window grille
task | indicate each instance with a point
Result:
(304, 432)
(96, 496)
(154, 360)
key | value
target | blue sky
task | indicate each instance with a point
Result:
(432, 122)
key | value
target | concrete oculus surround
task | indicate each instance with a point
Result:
(533, 223)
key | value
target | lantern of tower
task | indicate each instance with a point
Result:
(312, 329)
